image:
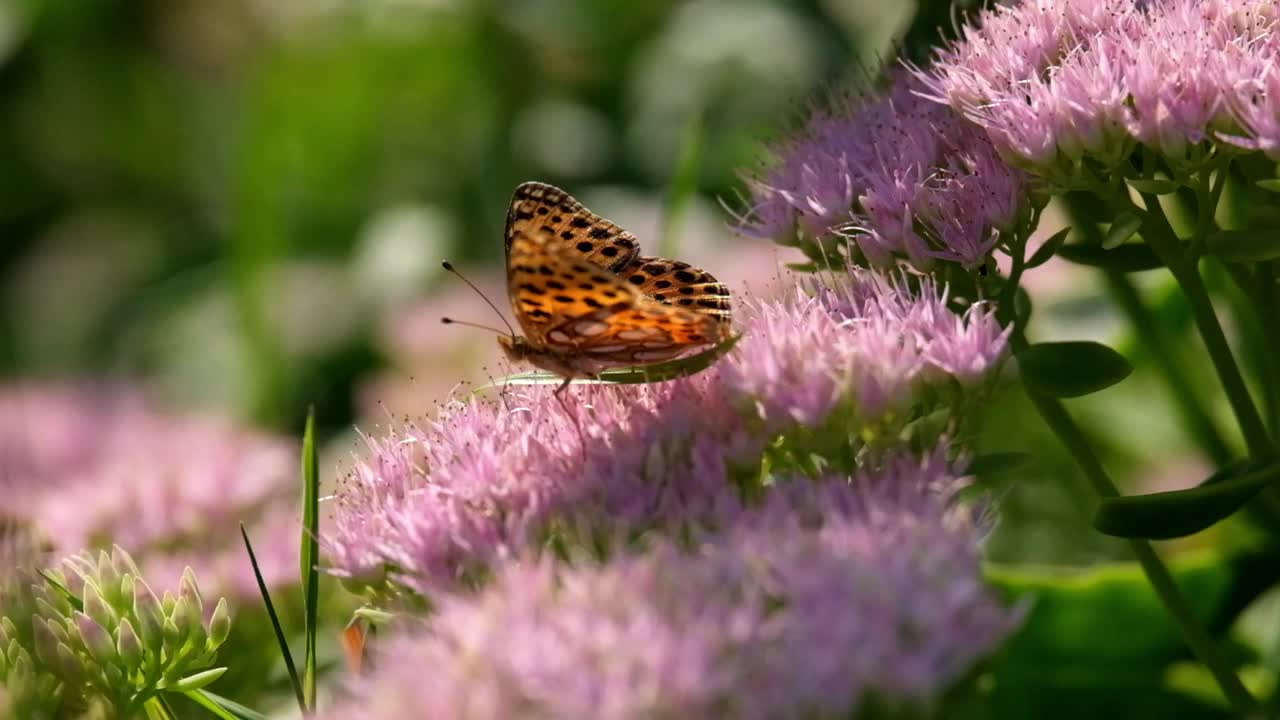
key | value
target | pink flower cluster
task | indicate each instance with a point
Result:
(898, 175)
(88, 466)
(1054, 81)
(825, 592)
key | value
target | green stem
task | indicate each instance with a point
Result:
(1197, 638)
(1195, 415)
(1160, 236)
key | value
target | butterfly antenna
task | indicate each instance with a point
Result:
(451, 321)
(449, 266)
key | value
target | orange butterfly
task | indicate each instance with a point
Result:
(588, 301)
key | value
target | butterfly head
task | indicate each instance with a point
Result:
(515, 347)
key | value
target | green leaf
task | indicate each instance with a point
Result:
(1049, 248)
(1160, 516)
(197, 680)
(806, 267)
(1106, 624)
(1126, 258)
(222, 707)
(1245, 245)
(1071, 369)
(310, 555)
(275, 623)
(658, 372)
(1154, 186)
(1122, 228)
(1272, 184)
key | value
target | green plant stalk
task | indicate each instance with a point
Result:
(1195, 415)
(1246, 304)
(1059, 421)
(1160, 236)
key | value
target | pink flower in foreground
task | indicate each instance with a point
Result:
(479, 481)
(825, 593)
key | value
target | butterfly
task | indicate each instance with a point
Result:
(588, 301)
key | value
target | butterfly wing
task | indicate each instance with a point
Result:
(549, 286)
(582, 312)
(547, 213)
(676, 283)
(645, 333)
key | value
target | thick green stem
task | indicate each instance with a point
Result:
(1195, 415)
(1160, 236)
(1197, 638)
(1267, 299)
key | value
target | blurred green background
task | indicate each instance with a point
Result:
(228, 198)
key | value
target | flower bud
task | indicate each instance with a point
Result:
(219, 625)
(128, 645)
(96, 639)
(66, 664)
(149, 613)
(124, 643)
(46, 643)
(122, 562)
(105, 572)
(96, 607)
(188, 588)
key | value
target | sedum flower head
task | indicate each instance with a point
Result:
(825, 596)
(890, 173)
(1056, 82)
(106, 638)
(866, 343)
(438, 500)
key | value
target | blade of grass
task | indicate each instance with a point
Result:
(310, 555)
(275, 622)
(62, 590)
(222, 707)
